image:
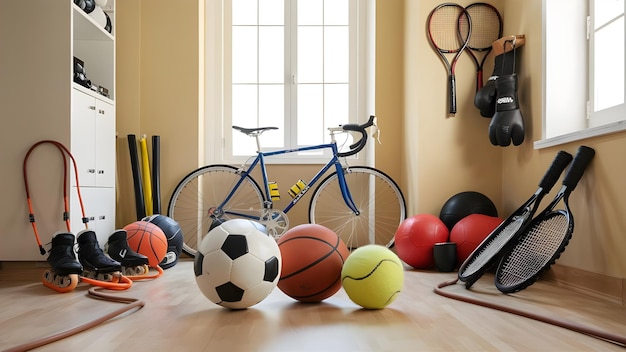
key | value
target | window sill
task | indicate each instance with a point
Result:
(610, 128)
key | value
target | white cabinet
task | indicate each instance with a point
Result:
(40, 101)
(93, 139)
(93, 147)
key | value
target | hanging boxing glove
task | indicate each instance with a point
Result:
(485, 98)
(507, 123)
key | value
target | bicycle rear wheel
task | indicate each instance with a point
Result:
(195, 199)
(378, 198)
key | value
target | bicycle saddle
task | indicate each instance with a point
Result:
(253, 131)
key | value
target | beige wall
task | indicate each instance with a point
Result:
(444, 154)
(158, 78)
(431, 154)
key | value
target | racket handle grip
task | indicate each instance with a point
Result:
(452, 94)
(583, 157)
(560, 162)
(479, 80)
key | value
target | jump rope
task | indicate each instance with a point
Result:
(616, 339)
(119, 282)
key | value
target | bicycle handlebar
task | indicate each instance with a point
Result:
(360, 144)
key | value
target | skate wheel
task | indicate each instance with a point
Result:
(142, 270)
(59, 283)
(135, 270)
(90, 274)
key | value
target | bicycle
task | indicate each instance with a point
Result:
(361, 204)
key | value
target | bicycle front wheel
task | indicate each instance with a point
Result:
(379, 201)
(195, 200)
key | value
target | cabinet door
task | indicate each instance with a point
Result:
(83, 143)
(99, 209)
(105, 144)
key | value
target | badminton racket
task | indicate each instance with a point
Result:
(444, 36)
(482, 24)
(546, 236)
(485, 255)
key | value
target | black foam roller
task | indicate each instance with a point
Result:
(140, 205)
(156, 174)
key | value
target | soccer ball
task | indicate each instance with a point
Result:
(237, 265)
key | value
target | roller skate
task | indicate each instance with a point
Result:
(63, 276)
(96, 265)
(133, 264)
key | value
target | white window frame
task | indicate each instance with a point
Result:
(567, 74)
(217, 124)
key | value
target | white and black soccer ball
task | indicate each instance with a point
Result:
(237, 265)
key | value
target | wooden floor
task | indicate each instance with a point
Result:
(178, 317)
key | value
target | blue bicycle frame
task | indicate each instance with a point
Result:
(260, 159)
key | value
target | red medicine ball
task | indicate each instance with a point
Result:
(469, 232)
(415, 238)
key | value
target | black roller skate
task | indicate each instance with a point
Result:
(96, 265)
(133, 263)
(63, 276)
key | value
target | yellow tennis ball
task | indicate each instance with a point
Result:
(372, 276)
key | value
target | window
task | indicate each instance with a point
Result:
(607, 61)
(583, 70)
(298, 65)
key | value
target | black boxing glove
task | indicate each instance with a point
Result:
(485, 98)
(507, 123)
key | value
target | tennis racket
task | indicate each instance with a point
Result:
(546, 236)
(485, 255)
(444, 37)
(485, 25)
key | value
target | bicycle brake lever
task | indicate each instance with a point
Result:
(376, 134)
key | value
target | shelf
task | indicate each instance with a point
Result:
(92, 93)
(85, 28)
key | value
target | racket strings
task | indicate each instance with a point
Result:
(443, 29)
(534, 250)
(494, 245)
(485, 28)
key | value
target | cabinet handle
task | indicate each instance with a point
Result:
(100, 172)
(91, 171)
(92, 107)
(91, 218)
(102, 217)
(101, 112)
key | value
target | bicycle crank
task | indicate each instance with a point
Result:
(275, 221)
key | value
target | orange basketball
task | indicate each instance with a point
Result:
(312, 259)
(148, 239)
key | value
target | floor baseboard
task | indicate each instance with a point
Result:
(598, 285)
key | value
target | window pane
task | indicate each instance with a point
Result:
(271, 55)
(310, 114)
(272, 113)
(605, 10)
(336, 105)
(310, 54)
(609, 66)
(336, 110)
(271, 12)
(244, 58)
(244, 107)
(310, 12)
(336, 54)
(336, 12)
(244, 12)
